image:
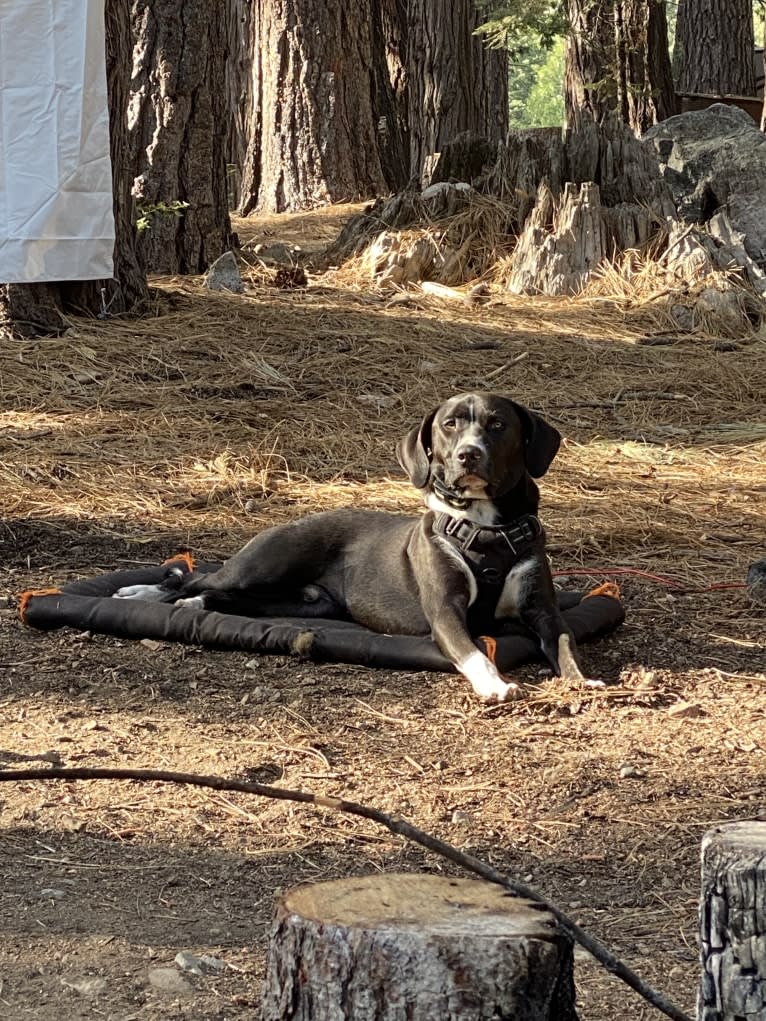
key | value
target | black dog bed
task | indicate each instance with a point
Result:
(87, 605)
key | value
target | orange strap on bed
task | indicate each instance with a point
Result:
(490, 648)
(609, 588)
(26, 596)
(187, 558)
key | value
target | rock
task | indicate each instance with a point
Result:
(224, 274)
(88, 987)
(441, 189)
(716, 158)
(461, 817)
(686, 711)
(683, 317)
(279, 253)
(168, 980)
(203, 965)
(756, 581)
(52, 893)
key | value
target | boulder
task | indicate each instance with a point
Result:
(715, 160)
(224, 274)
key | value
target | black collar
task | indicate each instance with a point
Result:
(490, 550)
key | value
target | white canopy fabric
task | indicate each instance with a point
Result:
(56, 219)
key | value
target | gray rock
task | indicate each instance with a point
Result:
(224, 274)
(88, 987)
(716, 158)
(278, 254)
(168, 980)
(202, 965)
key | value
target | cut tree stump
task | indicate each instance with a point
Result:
(390, 947)
(733, 923)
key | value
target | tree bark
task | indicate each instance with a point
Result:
(714, 44)
(617, 61)
(455, 82)
(40, 309)
(733, 923)
(239, 96)
(320, 82)
(385, 947)
(178, 121)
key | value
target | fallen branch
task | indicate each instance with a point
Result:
(398, 826)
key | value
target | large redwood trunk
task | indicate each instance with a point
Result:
(39, 309)
(179, 125)
(455, 83)
(714, 45)
(319, 83)
(617, 61)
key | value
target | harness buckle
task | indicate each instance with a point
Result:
(455, 527)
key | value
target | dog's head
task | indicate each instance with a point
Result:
(478, 445)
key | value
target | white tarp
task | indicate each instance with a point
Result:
(56, 218)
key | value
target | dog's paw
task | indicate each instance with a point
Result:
(592, 682)
(192, 602)
(151, 593)
(487, 681)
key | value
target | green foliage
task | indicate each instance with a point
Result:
(536, 86)
(532, 31)
(514, 26)
(145, 212)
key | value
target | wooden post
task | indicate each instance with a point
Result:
(389, 947)
(733, 923)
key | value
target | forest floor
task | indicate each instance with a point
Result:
(220, 414)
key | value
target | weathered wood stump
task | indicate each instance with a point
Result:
(390, 947)
(733, 923)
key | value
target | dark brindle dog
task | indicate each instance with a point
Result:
(477, 556)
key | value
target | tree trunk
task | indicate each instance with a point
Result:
(617, 60)
(239, 96)
(39, 309)
(321, 85)
(455, 83)
(250, 184)
(714, 46)
(422, 947)
(178, 122)
(733, 923)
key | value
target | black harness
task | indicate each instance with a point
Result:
(490, 551)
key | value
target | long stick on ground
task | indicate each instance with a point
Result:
(399, 826)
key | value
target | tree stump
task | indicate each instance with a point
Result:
(733, 923)
(390, 947)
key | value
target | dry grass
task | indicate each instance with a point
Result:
(222, 414)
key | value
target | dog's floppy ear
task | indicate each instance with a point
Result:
(414, 452)
(541, 441)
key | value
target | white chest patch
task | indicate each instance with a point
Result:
(480, 512)
(516, 586)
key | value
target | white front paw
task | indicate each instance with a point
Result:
(486, 680)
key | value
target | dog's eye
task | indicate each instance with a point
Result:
(449, 423)
(496, 425)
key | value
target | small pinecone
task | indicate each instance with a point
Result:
(288, 277)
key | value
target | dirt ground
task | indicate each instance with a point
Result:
(123, 442)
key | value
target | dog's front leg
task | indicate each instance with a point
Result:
(557, 643)
(445, 601)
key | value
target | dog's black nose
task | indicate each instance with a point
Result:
(468, 455)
